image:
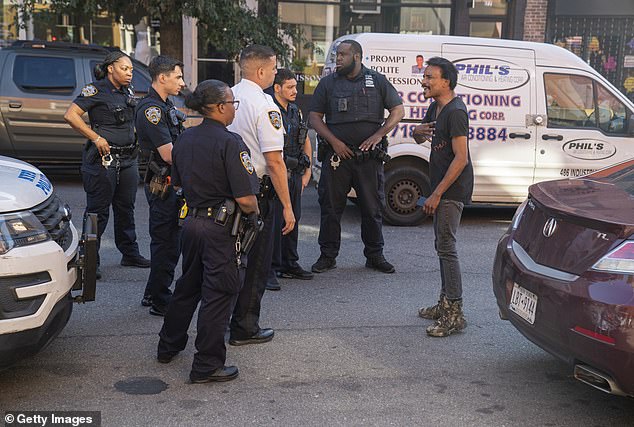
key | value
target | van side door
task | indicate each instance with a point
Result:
(586, 126)
(497, 84)
(38, 89)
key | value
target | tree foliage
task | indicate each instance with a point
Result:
(228, 25)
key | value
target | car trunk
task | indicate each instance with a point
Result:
(569, 225)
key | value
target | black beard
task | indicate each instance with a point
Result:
(344, 71)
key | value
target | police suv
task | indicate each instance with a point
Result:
(43, 260)
(536, 112)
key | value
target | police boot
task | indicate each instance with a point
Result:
(451, 320)
(434, 312)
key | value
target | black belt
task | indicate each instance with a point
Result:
(124, 150)
(203, 212)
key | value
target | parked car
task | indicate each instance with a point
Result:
(38, 81)
(43, 260)
(564, 274)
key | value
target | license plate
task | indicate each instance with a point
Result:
(523, 303)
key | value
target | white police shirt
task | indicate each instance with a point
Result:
(258, 121)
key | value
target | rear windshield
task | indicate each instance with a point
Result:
(621, 175)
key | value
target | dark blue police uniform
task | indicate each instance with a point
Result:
(285, 254)
(111, 114)
(354, 110)
(211, 164)
(157, 125)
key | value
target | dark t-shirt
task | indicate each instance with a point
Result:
(212, 164)
(452, 121)
(364, 99)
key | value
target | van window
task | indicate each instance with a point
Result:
(569, 101)
(44, 74)
(612, 112)
(140, 82)
(579, 102)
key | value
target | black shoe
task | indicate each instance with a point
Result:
(146, 301)
(98, 273)
(323, 264)
(262, 336)
(135, 261)
(273, 285)
(296, 273)
(226, 373)
(158, 310)
(165, 357)
(379, 263)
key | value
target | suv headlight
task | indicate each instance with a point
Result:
(20, 229)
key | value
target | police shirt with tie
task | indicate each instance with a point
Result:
(157, 126)
(354, 110)
(111, 114)
(211, 164)
(259, 122)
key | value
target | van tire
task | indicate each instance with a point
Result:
(404, 184)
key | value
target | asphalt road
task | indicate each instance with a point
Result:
(349, 348)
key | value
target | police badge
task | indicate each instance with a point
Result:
(276, 119)
(89, 90)
(246, 162)
(153, 115)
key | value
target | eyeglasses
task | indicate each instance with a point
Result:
(235, 103)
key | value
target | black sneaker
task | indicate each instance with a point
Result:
(146, 301)
(158, 310)
(135, 261)
(98, 273)
(273, 285)
(379, 263)
(323, 264)
(296, 273)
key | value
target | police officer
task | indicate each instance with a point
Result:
(109, 160)
(297, 152)
(158, 124)
(213, 167)
(353, 100)
(259, 123)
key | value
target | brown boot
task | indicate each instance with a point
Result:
(451, 320)
(434, 312)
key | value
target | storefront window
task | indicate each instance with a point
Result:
(317, 25)
(425, 20)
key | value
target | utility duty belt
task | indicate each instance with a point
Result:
(267, 191)
(297, 164)
(220, 214)
(123, 150)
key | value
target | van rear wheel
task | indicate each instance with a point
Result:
(403, 187)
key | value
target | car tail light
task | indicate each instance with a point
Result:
(515, 222)
(620, 260)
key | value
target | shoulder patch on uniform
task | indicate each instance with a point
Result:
(89, 90)
(153, 115)
(276, 119)
(246, 162)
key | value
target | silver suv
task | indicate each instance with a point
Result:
(38, 81)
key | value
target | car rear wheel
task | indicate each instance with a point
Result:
(404, 184)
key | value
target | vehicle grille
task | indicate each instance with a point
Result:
(51, 215)
(10, 306)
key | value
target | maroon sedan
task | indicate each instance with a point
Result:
(564, 274)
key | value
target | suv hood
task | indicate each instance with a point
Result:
(22, 186)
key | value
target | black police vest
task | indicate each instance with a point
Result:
(175, 126)
(293, 147)
(357, 100)
(117, 125)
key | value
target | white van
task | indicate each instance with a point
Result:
(536, 111)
